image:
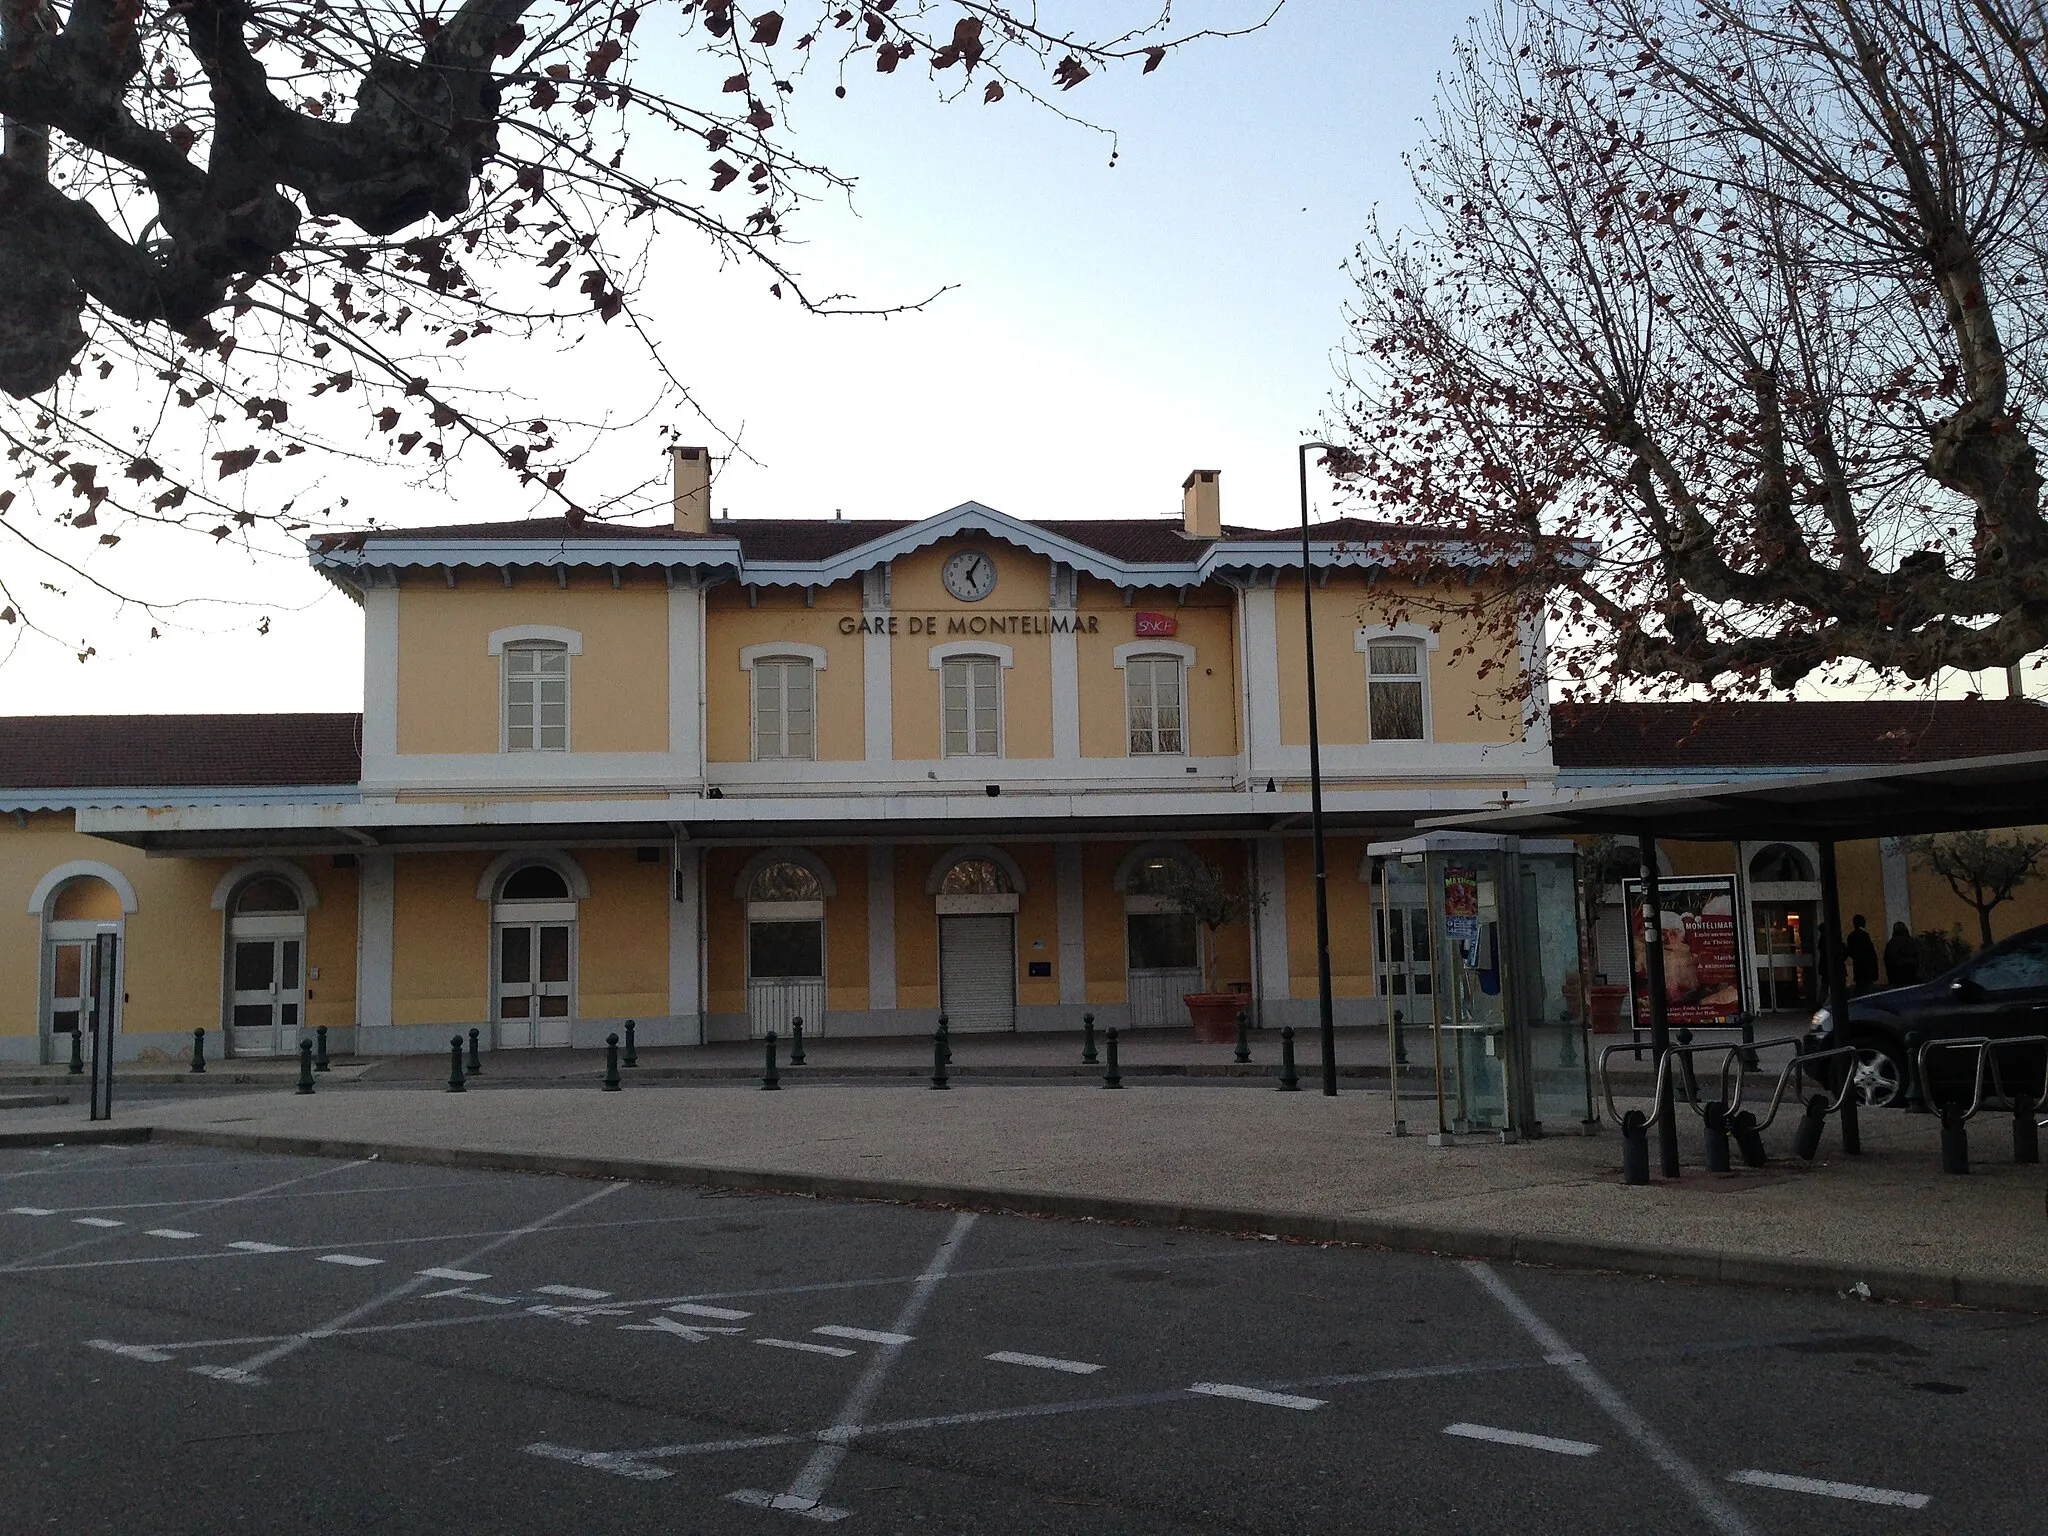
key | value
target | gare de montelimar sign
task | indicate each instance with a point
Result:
(1047, 623)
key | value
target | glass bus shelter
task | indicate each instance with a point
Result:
(1508, 1025)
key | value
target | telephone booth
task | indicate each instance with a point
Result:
(1508, 1025)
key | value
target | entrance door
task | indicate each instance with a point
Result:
(1407, 978)
(978, 971)
(68, 965)
(269, 996)
(1165, 964)
(533, 984)
(785, 972)
(1787, 977)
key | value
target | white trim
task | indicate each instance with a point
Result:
(939, 655)
(1261, 681)
(561, 863)
(39, 898)
(376, 929)
(977, 906)
(517, 913)
(769, 651)
(1071, 897)
(380, 673)
(510, 773)
(1124, 653)
(786, 911)
(534, 634)
(1179, 852)
(534, 647)
(783, 854)
(284, 869)
(1066, 696)
(748, 657)
(881, 926)
(1426, 640)
(959, 851)
(1430, 639)
(1274, 981)
(878, 703)
(685, 680)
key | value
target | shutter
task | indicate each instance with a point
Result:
(978, 972)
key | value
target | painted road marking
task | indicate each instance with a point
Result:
(260, 1247)
(723, 1314)
(1254, 1395)
(469, 1295)
(97, 1221)
(1043, 1362)
(29, 1210)
(171, 1232)
(602, 1461)
(1517, 1437)
(682, 1331)
(453, 1274)
(352, 1260)
(573, 1292)
(811, 1349)
(229, 1373)
(1856, 1492)
(862, 1335)
(130, 1351)
(788, 1503)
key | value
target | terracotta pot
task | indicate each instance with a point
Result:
(1215, 1015)
(1608, 1001)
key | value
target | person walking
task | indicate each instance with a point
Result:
(1901, 957)
(1862, 953)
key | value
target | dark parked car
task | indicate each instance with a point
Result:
(2001, 992)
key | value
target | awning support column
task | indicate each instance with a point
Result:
(1835, 985)
(1660, 1017)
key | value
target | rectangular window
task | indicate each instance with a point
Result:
(785, 710)
(536, 698)
(1152, 698)
(972, 706)
(1394, 690)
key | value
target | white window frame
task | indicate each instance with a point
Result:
(1156, 650)
(779, 662)
(1003, 658)
(1425, 641)
(533, 647)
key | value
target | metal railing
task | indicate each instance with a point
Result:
(1955, 1137)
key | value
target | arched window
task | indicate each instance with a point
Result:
(534, 882)
(1781, 863)
(1154, 876)
(976, 877)
(786, 880)
(86, 899)
(266, 894)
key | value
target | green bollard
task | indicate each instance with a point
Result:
(474, 1066)
(941, 1054)
(320, 1049)
(1290, 1080)
(1400, 1041)
(1244, 1036)
(305, 1066)
(198, 1050)
(946, 1034)
(796, 1040)
(77, 1049)
(1088, 1056)
(611, 1063)
(1112, 1075)
(771, 1075)
(632, 1056)
(455, 1083)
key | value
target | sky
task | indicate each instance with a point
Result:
(1106, 327)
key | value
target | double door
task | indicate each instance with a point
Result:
(978, 971)
(70, 981)
(533, 983)
(267, 1001)
(1164, 963)
(1401, 950)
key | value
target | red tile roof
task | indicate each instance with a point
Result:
(179, 751)
(1792, 733)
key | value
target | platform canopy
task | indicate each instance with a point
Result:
(1841, 805)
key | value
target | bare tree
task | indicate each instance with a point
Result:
(1724, 318)
(237, 231)
(1982, 869)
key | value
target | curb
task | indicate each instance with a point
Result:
(75, 1136)
(1926, 1287)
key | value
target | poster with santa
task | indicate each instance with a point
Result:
(1702, 950)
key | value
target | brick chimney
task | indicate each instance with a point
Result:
(1201, 505)
(692, 468)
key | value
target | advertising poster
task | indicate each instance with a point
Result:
(1702, 954)
(1461, 905)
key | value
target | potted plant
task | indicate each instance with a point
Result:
(1195, 889)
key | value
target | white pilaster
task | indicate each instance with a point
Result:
(877, 692)
(686, 681)
(380, 677)
(685, 918)
(1066, 672)
(1273, 978)
(881, 926)
(1262, 681)
(376, 924)
(1898, 885)
(1072, 918)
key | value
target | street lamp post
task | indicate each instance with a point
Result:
(1315, 788)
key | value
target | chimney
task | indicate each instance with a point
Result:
(692, 488)
(1201, 505)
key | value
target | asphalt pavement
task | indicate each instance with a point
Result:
(199, 1339)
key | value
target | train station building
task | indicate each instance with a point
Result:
(719, 773)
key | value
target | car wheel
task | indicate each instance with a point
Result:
(1880, 1076)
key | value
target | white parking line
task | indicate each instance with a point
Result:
(130, 1351)
(789, 1504)
(722, 1314)
(352, 1260)
(96, 1221)
(229, 1373)
(1043, 1362)
(453, 1274)
(573, 1292)
(1855, 1492)
(171, 1232)
(30, 1210)
(1254, 1395)
(862, 1335)
(249, 1247)
(1517, 1437)
(810, 1349)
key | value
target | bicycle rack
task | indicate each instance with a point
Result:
(1955, 1136)
(1724, 1117)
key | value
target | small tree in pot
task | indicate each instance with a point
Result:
(1194, 888)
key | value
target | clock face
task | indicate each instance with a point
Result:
(970, 575)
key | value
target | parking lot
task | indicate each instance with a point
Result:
(204, 1339)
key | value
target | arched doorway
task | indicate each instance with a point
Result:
(79, 912)
(533, 957)
(266, 967)
(1784, 908)
(785, 947)
(977, 906)
(1162, 944)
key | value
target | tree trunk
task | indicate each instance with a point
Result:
(1984, 924)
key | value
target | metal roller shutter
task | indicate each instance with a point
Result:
(978, 972)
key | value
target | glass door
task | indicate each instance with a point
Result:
(533, 984)
(1471, 1006)
(1549, 1000)
(268, 999)
(70, 999)
(1401, 947)
(1786, 972)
